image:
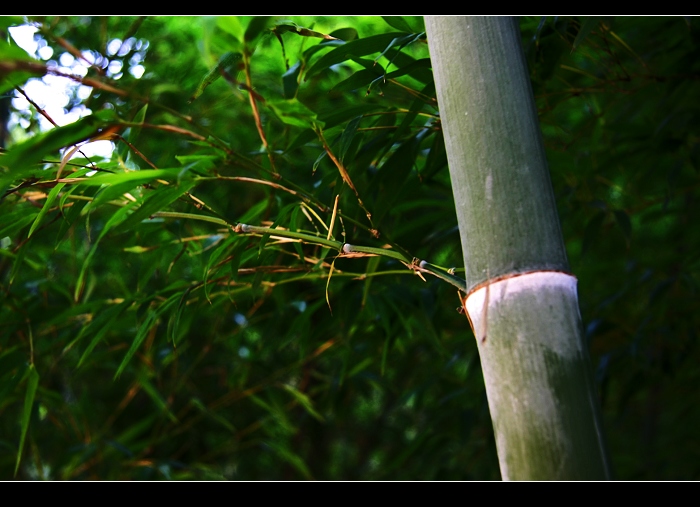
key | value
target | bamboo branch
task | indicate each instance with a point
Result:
(254, 107)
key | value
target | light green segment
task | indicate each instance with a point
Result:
(507, 214)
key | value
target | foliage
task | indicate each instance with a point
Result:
(146, 334)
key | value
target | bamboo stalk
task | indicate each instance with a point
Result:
(522, 302)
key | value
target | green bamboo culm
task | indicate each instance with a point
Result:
(522, 302)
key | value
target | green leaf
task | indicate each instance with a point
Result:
(295, 225)
(360, 47)
(282, 215)
(109, 192)
(16, 65)
(148, 323)
(255, 27)
(290, 457)
(304, 400)
(11, 222)
(437, 157)
(392, 175)
(119, 216)
(174, 323)
(101, 325)
(290, 81)
(153, 393)
(32, 385)
(401, 42)
(45, 208)
(359, 79)
(236, 257)
(137, 177)
(21, 159)
(293, 112)
(414, 69)
(372, 265)
(397, 22)
(227, 63)
(216, 417)
(305, 137)
(159, 199)
(416, 107)
(217, 254)
(289, 26)
(231, 25)
(587, 24)
(50, 198)
(347, 136)
(337, 116)
(345, 34)
(8, 21)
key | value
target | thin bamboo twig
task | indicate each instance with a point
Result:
(46, 115)
(254, 107)
(346, 177)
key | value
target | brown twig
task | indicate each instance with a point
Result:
(343, 173)
(167, 128)
(74, 51)
(46, 115)
(254, 107)
(135, 150)
(36, 106)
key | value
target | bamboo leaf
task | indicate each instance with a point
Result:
(401, 42)
(345, 34)
(153, 393)
(46, 207)
(337, 116)
(21, 159)
(437, 158)
(138, 177)
(304, 400)
(102, 324)
(392, 174)
(295, 225)
(32, 385)
(225, 63)
(293, 112)
(160, 198)
(255, 27)
(217, 254)
(289, 26)
(588, 23)
(397, 22)
(360, 47)
(148, 323)
(372, 265)
(231, 25)
(290, 81)
(290, 457)
(11, 222)
(347, 137)
(414, 69)
(359, 79)
(174, 323)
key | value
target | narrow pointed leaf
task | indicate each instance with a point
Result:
(32, 384)
(359, 47)
(397, 22)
